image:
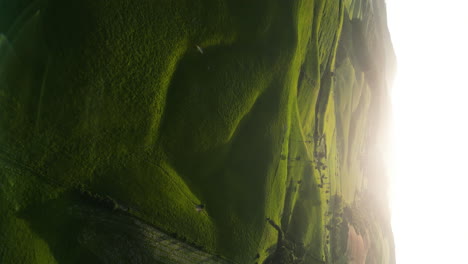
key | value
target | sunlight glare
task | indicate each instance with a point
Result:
(430, 134)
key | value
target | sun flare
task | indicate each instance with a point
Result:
(430, 131)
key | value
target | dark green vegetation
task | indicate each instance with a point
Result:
(253, 109)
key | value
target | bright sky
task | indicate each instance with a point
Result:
(430, 100)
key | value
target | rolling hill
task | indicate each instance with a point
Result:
(200, 119)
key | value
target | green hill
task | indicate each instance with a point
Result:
(245, 109)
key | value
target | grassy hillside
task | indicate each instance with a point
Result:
(149, 109)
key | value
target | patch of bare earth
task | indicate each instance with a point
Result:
(357, 247)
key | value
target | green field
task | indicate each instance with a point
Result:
(150, 108)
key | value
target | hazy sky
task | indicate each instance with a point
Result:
(430, 100)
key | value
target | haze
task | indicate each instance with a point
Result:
(430, 109)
